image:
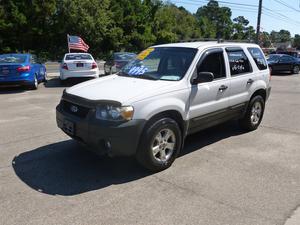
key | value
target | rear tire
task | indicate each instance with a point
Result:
(35, 84)
(254, 114)
(159, 145)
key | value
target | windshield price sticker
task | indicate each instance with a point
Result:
(144, 53)
(138, 70)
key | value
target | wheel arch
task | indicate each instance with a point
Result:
(173, 114)
(262, 92)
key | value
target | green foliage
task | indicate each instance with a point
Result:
(41, 26)
(281, 36)
(172, 24)
(215, 21)
(296, 41)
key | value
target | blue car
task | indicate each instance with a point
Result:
(21, 69)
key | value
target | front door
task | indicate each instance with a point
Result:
(209, 101)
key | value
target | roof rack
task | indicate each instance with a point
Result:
(217, 40)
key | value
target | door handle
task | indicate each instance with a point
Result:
(223, 88)
(250, 81)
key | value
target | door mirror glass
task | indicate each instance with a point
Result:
(203, 77)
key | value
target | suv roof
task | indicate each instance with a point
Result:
(202, 44)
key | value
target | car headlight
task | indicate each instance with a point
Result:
(113, 113)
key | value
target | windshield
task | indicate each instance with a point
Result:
(13, 58)
(274, 58)
(124, 56)
(161, 63)
(78, 57)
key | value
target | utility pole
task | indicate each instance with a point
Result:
(258, 21)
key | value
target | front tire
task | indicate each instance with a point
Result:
(296, 70)
(45, 80)
(254, 114)
(159, 145)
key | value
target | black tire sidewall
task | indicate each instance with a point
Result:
(33, 86)
(247, 120)
(294, 69)
(144, 154)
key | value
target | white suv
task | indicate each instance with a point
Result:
(166, 93)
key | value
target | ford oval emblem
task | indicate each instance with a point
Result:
(74, 109)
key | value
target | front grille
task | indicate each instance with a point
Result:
(74, 109)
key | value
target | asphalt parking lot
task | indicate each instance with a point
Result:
(223, 176)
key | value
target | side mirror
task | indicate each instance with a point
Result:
(203, 77)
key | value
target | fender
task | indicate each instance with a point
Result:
(152, 107)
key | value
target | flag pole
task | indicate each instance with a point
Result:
(68, 42)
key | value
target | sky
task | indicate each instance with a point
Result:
(276, 15)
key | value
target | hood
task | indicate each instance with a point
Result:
(118, 88)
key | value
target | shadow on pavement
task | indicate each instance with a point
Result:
(66, 168)
(55, 82)
(12, 89)
(283, 74)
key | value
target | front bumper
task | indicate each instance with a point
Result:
(102, 137)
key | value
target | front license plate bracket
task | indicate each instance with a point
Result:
(69, 127)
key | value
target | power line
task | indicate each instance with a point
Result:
(286, 5)
(246, 8)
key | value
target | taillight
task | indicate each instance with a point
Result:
(23, 68)
(64, 66)
(94, 65)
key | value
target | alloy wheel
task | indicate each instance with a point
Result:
(163, 145)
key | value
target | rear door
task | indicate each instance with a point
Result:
(209, 101)
(242, 77)
(285, 63)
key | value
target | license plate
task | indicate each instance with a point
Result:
(69, 127)
(79, 64)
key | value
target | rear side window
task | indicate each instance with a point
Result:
(286, 59)
(239, 62)
(259, 58)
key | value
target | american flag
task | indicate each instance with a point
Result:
(75, 42)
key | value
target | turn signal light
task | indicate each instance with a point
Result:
(23, 68)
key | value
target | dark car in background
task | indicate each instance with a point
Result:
(283, 63)
(117, 61)
(22, 70)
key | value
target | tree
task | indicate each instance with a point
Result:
(215, 21)
(240, 29)
(296, 41)
(281, 36)
(173, 24)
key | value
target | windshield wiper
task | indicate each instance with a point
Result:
(144, 76)
(123, 74)
(147, 76)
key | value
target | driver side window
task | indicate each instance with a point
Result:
(214, 63)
